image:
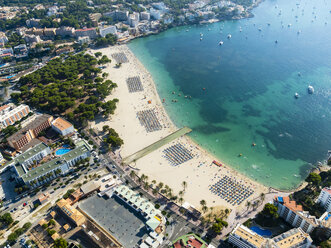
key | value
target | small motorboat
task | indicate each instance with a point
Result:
(296, 95)
(221, 43)
(310, 89)
(229, 36)
(253, 144)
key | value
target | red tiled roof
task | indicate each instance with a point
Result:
(177, 244)
(84, 29)
(4, 107)
(292, 205)
(327, 190)
(194, 243)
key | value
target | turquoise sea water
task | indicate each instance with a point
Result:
(250, 82)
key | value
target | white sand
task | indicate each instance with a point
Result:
(199, 172)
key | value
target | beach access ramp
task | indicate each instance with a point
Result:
(148, 149)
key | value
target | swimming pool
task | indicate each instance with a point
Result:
(62, 151)
(260, 231)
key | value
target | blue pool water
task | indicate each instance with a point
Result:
(62, 151)
(261, 232)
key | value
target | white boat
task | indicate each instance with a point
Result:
(201, 39)
(276, 41)
(310, 89)
(221, 43)
(201, 34)
(229, 36)
(296, 95)
(289, 25)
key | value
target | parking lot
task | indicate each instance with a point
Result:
(7, 186)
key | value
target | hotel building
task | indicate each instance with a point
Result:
(30, 132)
(9, 114)
(31, 156)
(324, 199)
(62, 126)
(243, 237)
(294, 214)
(48, 171)
(154, 218)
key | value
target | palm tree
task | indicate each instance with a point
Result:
(181, 193)
(140, 179)
(146, 185)
(248, 204)
(132, 174)
(153, 182)
(203, 205)
(227, 211)
(180, 200)
(204, 209)
(184, 184)
(160, 185)
(262, 197)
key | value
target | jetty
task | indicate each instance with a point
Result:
(158, 144)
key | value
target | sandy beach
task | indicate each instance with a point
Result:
(199, 173)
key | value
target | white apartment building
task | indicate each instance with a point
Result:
(324, 199)
(62, 126)
(108, 30)
(294, 214)
(30, 156)
(46, 172)
(156, 14)
(145, 16)
(9, 114)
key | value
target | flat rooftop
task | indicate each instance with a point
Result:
(249, 236)
(28, 154)
(36, 123)
(117, 218)
(81, 148)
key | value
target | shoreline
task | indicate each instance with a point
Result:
(202, 162)
(204, 22)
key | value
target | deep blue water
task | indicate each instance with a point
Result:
(243, 91)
